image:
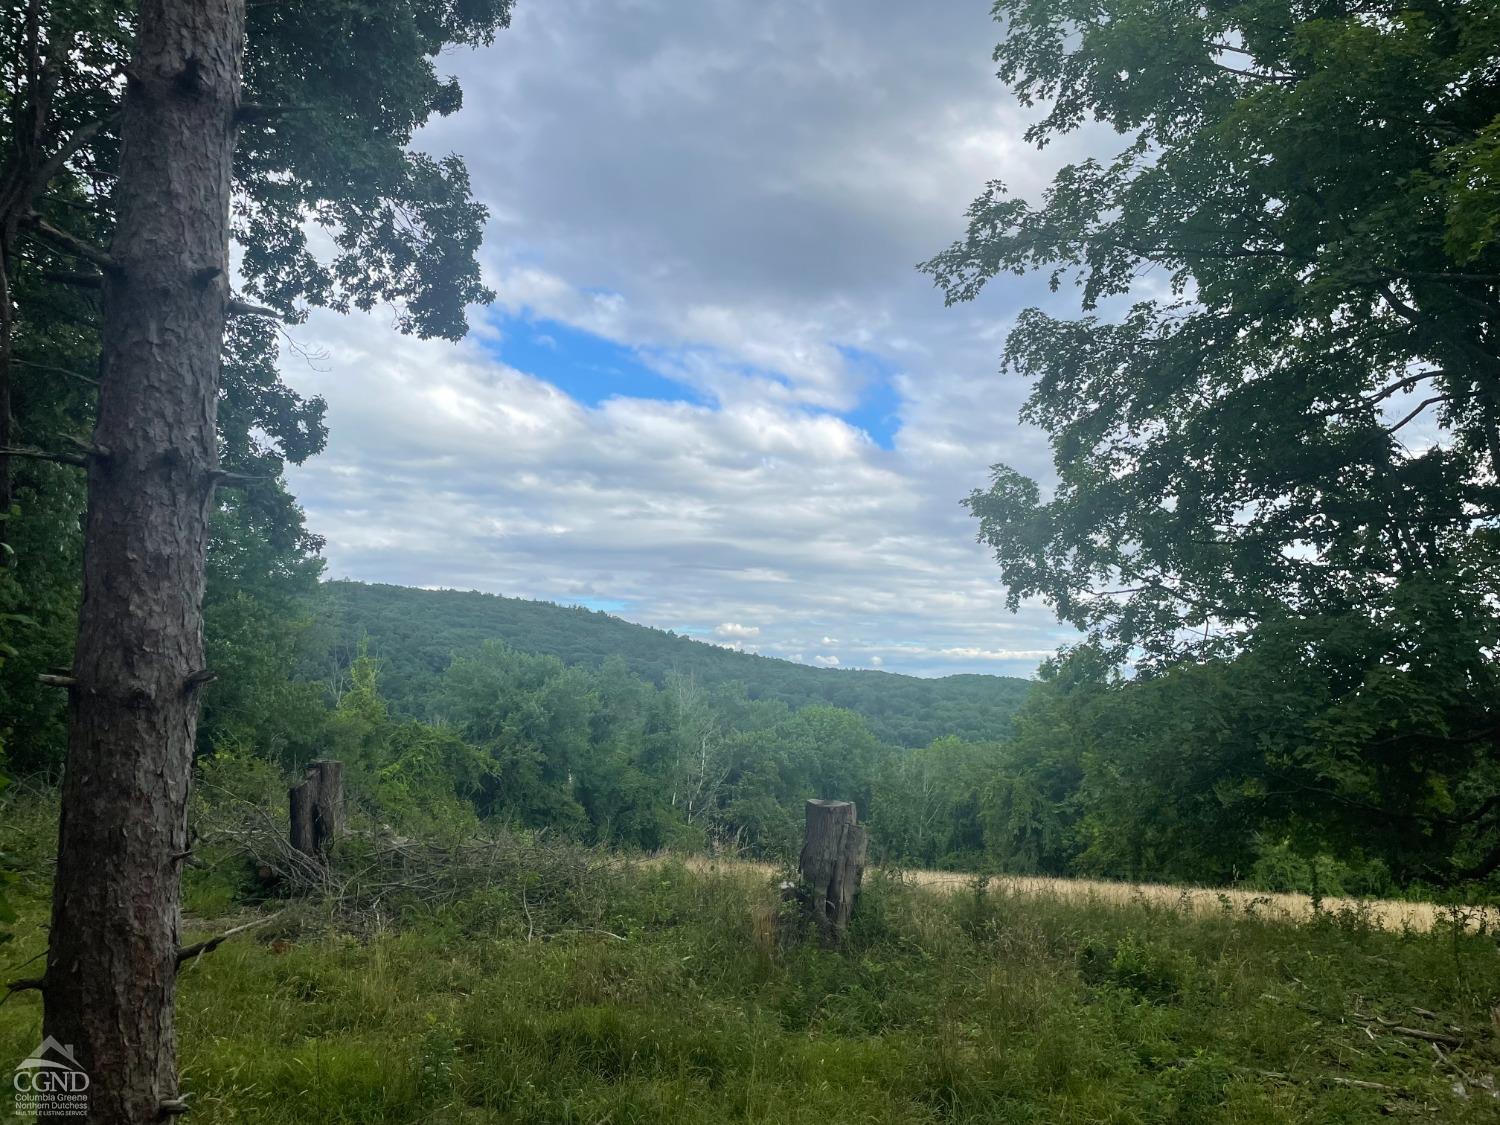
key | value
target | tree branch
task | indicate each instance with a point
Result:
(95, 281)
(54, 163)
(227, 478)
(1217, 46)
(199, 678)
(1484, 809)
(44, 455)
(1484, 868)
(1276, 79)
(1405, 310)
(1401, 385)
(75, 246)
(57, 370)
(1421, 406)
(244, 308)
(82, 280)
(1361, 402)
(198, 948)
(30, 984)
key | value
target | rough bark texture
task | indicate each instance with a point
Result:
(7, 319)
(317, 808)
(300, 802)
(832, 863)
(111, 971)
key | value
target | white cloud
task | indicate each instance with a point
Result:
(738, 194)
(826, 661)
(734, 629)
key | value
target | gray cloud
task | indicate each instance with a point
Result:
(727, 188)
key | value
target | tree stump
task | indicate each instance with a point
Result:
(317, 808)
(832, 863)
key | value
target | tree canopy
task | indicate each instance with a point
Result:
(1304, 413)
(1276, 428)
(332, 208)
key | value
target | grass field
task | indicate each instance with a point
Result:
(566, 987)
(1390, 914)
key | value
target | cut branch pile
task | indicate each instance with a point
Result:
(537, 885)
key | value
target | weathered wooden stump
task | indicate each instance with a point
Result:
(317, 808)
(832, 863)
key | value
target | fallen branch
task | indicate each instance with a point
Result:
(1361, 1084)
(1410, 1032)
(37, 956)
(1428, 1036)
(198, 948)
(1357, 1083)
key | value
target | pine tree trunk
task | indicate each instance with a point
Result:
(111, 972)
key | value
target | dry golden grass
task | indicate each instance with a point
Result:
(1389, 914)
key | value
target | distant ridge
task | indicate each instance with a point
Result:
(416, 633)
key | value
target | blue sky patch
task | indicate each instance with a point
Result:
(586, 367)
(878, 412)
(590, 369)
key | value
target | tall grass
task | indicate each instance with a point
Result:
(1391, 914)
(656, 993)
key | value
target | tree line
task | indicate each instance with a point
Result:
(1271, 509)
(1211, 773)
(415, 633)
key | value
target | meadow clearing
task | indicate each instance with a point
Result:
(551, 983)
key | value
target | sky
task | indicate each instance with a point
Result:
(714, 394)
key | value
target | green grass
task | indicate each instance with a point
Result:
(663, 995)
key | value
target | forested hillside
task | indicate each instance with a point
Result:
(1257, 469)
(414, 635)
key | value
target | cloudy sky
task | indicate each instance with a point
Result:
(714, 394)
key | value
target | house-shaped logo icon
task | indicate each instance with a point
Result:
(62, 1057)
